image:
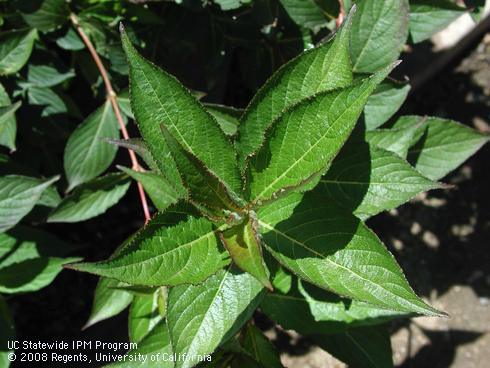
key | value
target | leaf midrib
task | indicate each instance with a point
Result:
(334, 49)
(95, 136)
(171, 250)
(367, 42)
(8, 55)
(267, 226)
(162, 106)
(307, 152)
(218, 290)
(482, 139)
(16, 195)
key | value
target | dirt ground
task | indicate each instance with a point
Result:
(441, 239)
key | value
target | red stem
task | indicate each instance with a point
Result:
(341, 16)
(112, 97)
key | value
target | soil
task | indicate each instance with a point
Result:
(440, 240)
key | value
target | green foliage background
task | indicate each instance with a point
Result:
(225, 181)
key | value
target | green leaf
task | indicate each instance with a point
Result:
(87, 155)
(24, 243)
(7, 113)
(7, 332)
(292, 312)
(306, 138)
(201, 317)
(384, 103)
(307, 13)
(334, 250)
(49, 198)
(158, 188)
(323, 68)
(9, 127)
(368, 180)
(230, 4)
(156, 343)
(30, 259)
(443, 146)
(51, 15)
(70, 41)
(96, 30)
(379, 32)
(143, 316)
(243, 244)
(125, 103)
(15, 49)
(187, 252)
(46, 76)
(364, 347)
(52, 101)
(408, 123)
(282, 281)
(139, 147)
(110, 297)
(136, 290)
(158, 98)
(205, 188)
(227, 117)
(325, 306)
(31, 274)
(427, 18)
(260, 348)
(91, 199)
(396, 140)
(108, 301)
(18, 196)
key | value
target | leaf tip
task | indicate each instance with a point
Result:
(441, 185)
(86, 325)
(396, 63)
(350, 15)
(268, 286)
(443, 314)
(79, 266)
(53, 179)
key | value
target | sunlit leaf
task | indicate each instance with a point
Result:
(18, 196)
(91, 199)
(379, 32)
(86, 153)
(429, 17)
(188, 252)
(323, 68)
(15, 49)
(202, 316)
(334, 250)
(306, 138)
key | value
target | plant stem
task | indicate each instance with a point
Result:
(112, 97)
(341, 16)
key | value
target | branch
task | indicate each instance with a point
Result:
(341, 16)
(112, 97)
